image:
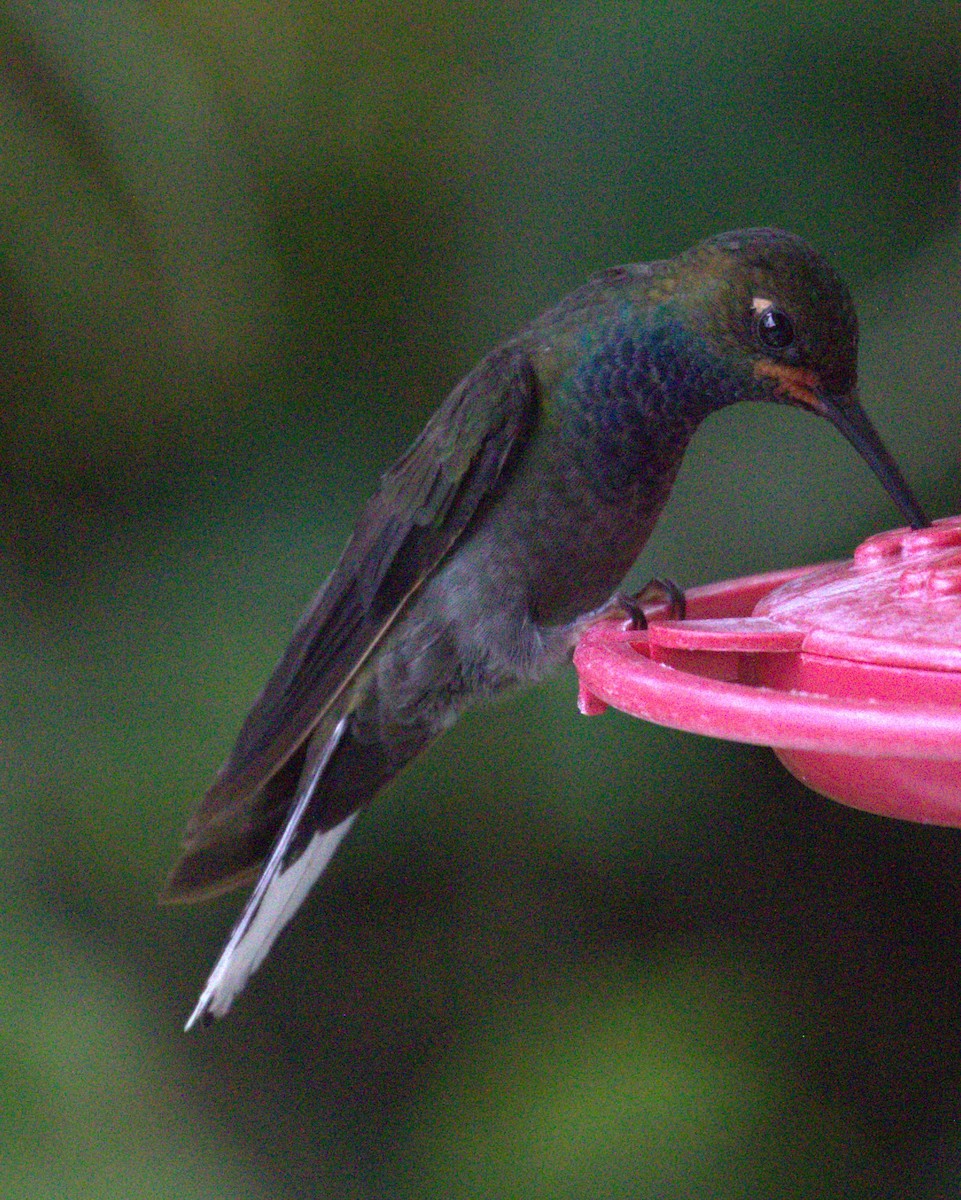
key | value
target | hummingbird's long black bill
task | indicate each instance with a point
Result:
(847, 415)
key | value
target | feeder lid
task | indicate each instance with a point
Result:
(897, 603)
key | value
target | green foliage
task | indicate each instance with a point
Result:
(662, 1086)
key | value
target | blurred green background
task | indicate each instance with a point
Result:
(245, 248)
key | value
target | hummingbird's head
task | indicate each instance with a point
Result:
(782, 322)
(779, 314)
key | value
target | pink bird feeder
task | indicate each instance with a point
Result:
(850, 671)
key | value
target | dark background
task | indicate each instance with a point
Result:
(245, 248)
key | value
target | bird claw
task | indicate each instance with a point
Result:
(663, 591)
(631, 608)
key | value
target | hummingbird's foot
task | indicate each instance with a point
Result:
(662, 591)
(631, 608)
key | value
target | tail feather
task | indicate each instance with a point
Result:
(293, 826)
(296, 861)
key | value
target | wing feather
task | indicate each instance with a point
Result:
(423, 506)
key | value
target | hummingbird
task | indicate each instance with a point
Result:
(501, 534)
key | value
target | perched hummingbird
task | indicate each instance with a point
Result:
(501, 534)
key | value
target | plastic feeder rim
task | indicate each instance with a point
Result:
(850, 671)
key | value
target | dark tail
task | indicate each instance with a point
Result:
(336, 775)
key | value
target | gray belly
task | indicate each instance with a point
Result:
(501, 612)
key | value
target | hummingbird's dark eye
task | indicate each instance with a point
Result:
(775, 328)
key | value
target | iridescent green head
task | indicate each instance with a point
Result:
(779, 307)
(783, 322)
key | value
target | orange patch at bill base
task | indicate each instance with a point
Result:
(799, 384)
